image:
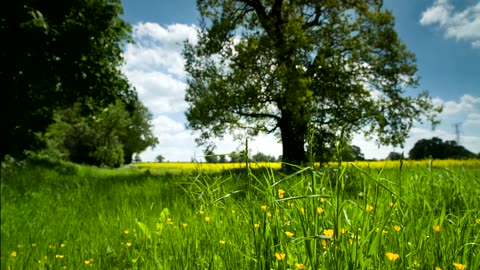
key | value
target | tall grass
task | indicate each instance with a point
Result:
(335, 218)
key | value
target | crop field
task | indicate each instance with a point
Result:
(375, 215)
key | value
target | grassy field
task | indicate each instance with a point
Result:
(198, 216)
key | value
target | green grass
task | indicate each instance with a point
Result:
(82, 217)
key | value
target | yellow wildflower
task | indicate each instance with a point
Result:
(128, 244)
(397, 228)
(280, 256)
(328, 232)
(392, 204)
(125, 231)
(369, 208)
(460, 266)
(392, 256)
(477, 221)
(300, 266)
(208, 219)
(13, 254)
(87, 262)
(343, 230)
(324, 244)
(59, 256)
(34, 245)
(62, 245)
(201, 212)
(222, 242)
(269, 214)
(322, 200)
(437, 268)
(281, 192)
(288, 234)
(437, 228)
(169, 221)
(264, 207)
(320, 210)
(233, 211)
(302, 210)
(256, 225)
(184, 225)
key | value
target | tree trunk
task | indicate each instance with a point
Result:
(293, 140)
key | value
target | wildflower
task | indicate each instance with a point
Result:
(256, 226)
(233, 211)
(208, 219)
(300, 266)
(437, 268)
(343, 230)
(13, 254)
(125, 232)
(281, 192)
(328, 232)
(322, 200)
(477, 221)
(369, 208)
(128, 244)
(320, 210)
(87, 262)
(280, 256)
(222, 242)
(34, 245)
(169, 221)
(392, 256)
(264, 207)
(397, 228)
(184, 225)
(288, 234)
(201, 212)
(302, 210)
(58, 256)
(460, 266)
(62, 245)
(324, 244)
(392, 204)
(437, 228)
(269, 214)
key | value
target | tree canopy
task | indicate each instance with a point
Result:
(295, 67)
(438, 149)
(55, 53)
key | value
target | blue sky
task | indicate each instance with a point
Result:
(444, 35)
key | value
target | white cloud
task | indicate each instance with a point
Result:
(461, 25)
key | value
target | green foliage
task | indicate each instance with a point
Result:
(437, 149)
(395, 156)
(211, 221)
(110, 137)
(56, 57)
(287, 66)
(160, 158)
(261, 157)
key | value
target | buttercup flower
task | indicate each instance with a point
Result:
(13, 254)
(128, 244)
(369, 208)
(397, 228)
(328, 232)
(320, 210)
(59, 256)
(437, 228)
(280, 256)
(269, 214)
(125, 232)
(281, 192)
(392, 256)
(184, 225)
(300, 266)
(460, 266)
(201, 212)
(264, 207)
(437, 268)
(256, 225)
(288, 234)
(322, 200)
(169, 221)
(477, 221)
(222, 242)
(208, 219)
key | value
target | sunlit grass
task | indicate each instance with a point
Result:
(350, 218)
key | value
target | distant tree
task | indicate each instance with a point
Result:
(210, 156)
(261, 157)
(436, 148)
(237, 157)
(137, 159)
(394, 156)
(280, 158)
(58, 53)
(160, 159)
(222, 159)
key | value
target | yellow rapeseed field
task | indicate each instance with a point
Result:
(219, 167)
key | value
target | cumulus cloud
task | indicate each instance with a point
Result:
(460, 25)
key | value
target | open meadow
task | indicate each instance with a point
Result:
(377, 215)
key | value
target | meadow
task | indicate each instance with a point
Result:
(376, 215)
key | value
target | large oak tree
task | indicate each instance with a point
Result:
(295, 66)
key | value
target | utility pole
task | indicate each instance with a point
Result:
(457, 132)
